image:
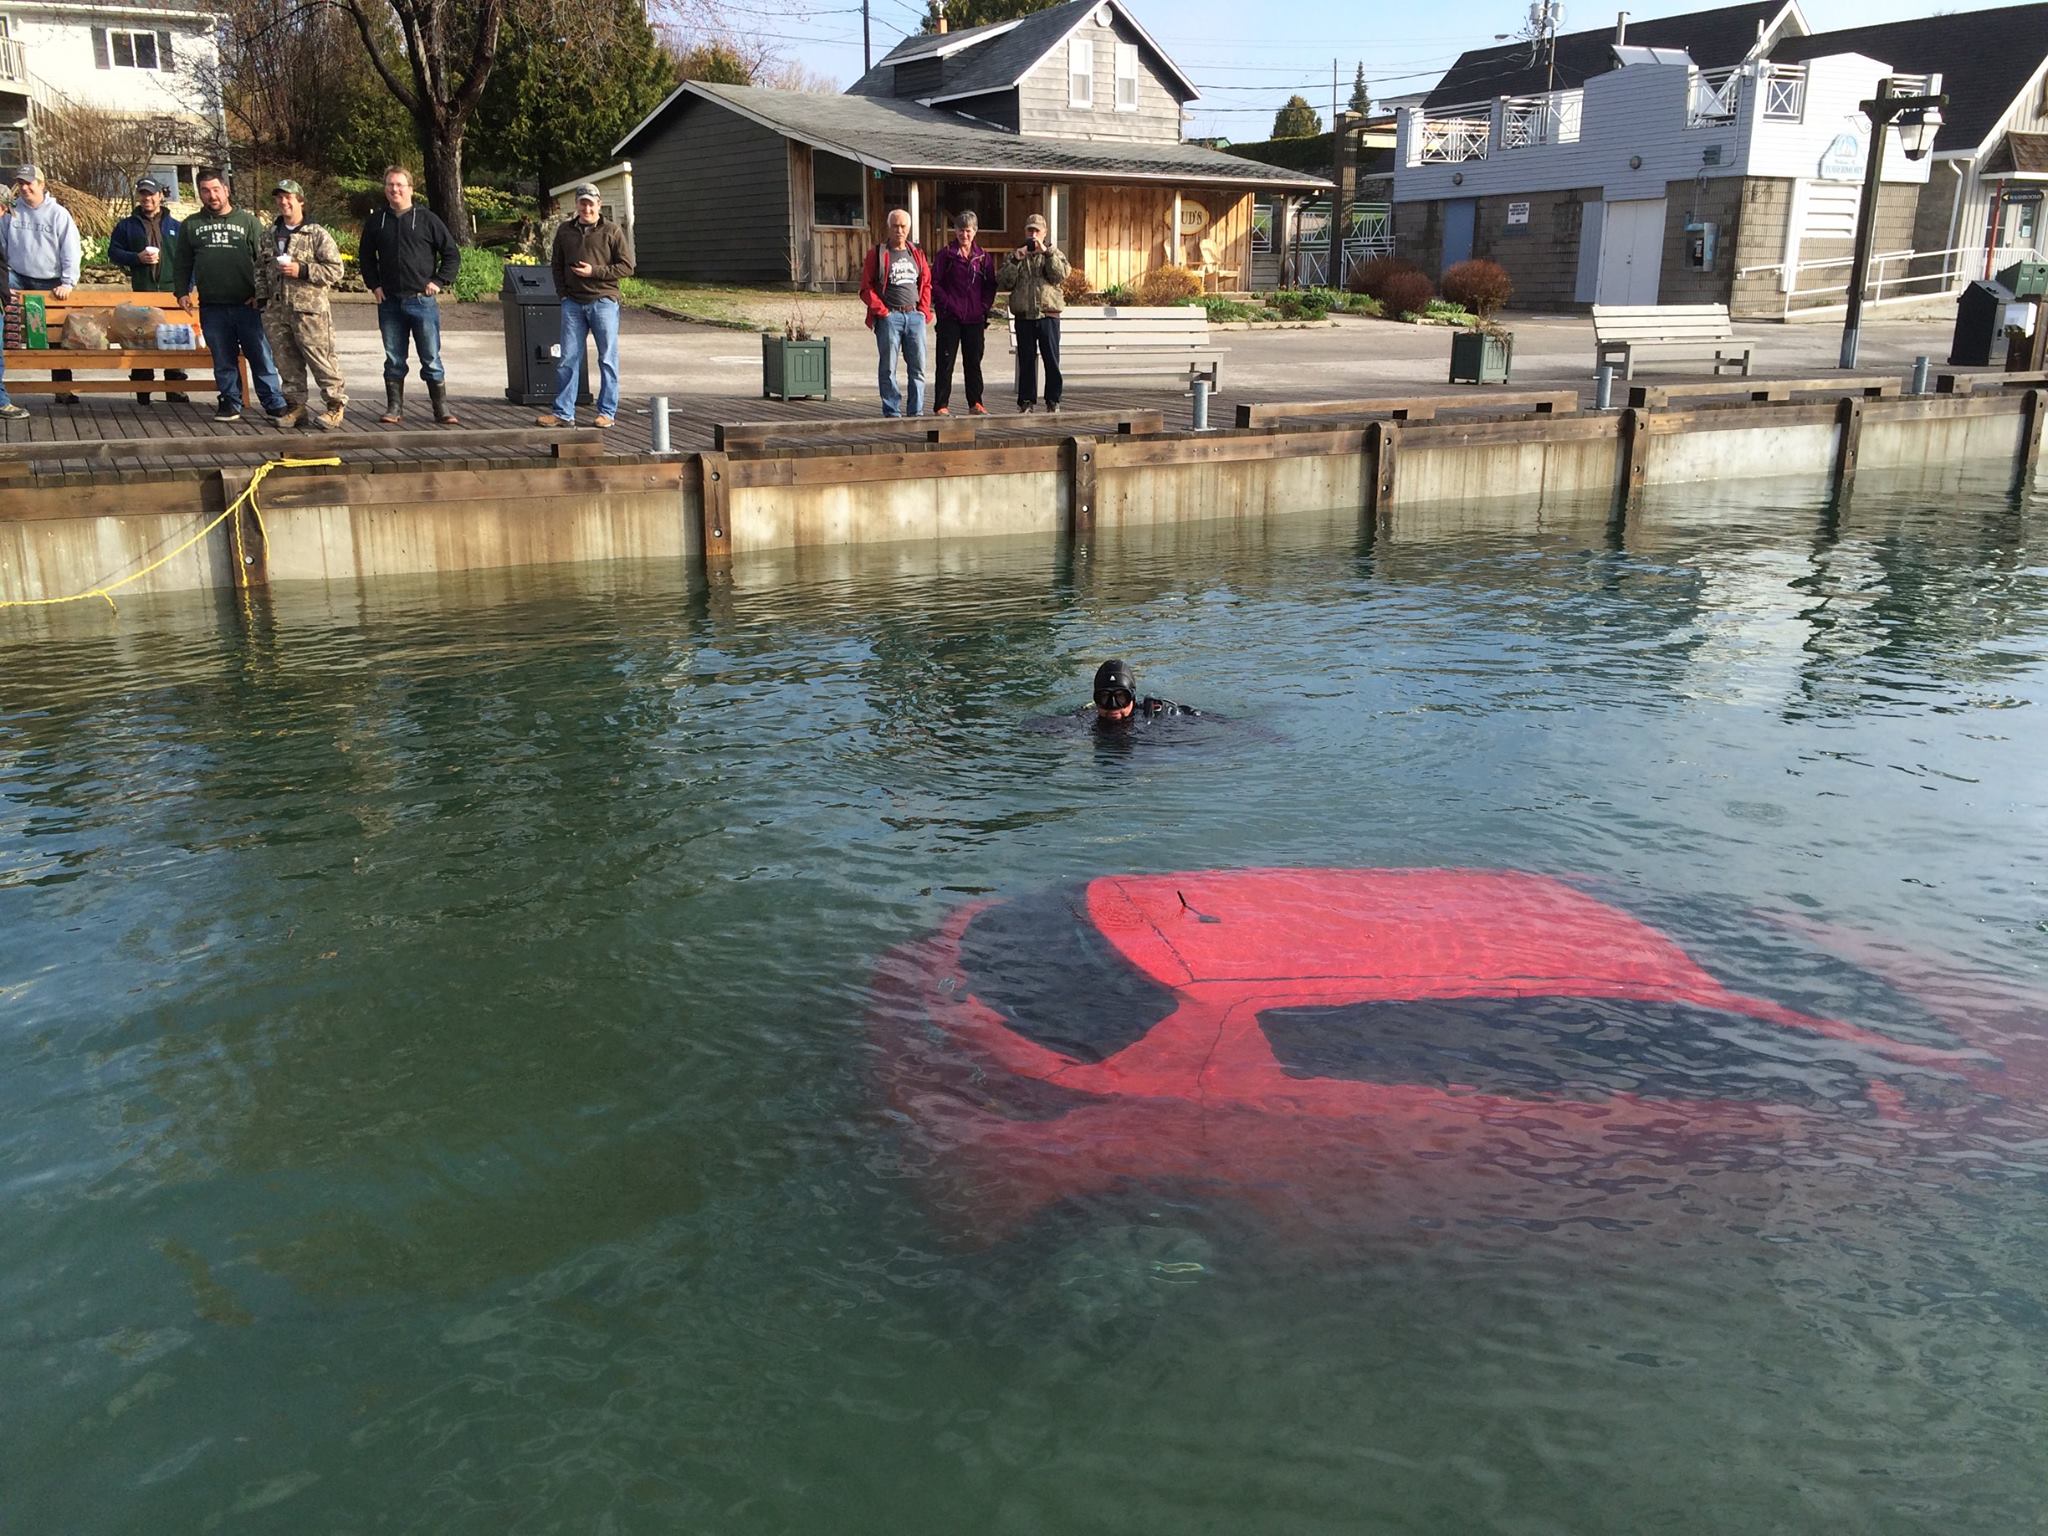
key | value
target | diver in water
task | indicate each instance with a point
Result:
(1117, 702)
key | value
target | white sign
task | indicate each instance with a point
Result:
(1843, 158)
(1518, 213)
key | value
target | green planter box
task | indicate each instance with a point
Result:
(796, 370)
(1479, 358)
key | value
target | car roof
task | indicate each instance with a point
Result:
(1397, 932)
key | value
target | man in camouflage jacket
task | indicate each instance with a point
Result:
(292, 288)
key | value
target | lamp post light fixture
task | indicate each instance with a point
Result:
(1918, 119)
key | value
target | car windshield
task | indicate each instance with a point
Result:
(1045, 967)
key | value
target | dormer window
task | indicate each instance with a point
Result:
(1081, 73)
(1127, 77)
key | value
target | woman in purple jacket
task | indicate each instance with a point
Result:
(963, 288)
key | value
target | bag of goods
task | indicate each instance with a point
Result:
(85, 330)
(135, 325)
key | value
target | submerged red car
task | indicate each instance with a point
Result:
(1391, 1047)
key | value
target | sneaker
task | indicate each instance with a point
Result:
(227, 412)
(602, 421)
(551, 421)
(12, 413)
(977, 409)
(944, 410)
(1052, 407)
(1027, 406)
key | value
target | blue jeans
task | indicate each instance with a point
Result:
(580, 318)
(418, 317)
(900, 332)
(233, 328)
(3, 376)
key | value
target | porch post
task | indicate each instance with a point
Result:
(913, 209)
(1173, 251)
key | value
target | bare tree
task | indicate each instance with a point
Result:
(446, 51)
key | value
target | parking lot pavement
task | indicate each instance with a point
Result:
(1354, 357)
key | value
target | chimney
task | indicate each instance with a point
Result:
(942, 18)
(1620, 28)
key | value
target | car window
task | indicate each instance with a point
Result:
(1041, 964)
(1572, 1047)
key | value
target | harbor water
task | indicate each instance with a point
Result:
(438, 1090)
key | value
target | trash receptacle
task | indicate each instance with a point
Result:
(533, 337)
(1980, 326)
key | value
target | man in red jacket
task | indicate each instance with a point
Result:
(896, 285)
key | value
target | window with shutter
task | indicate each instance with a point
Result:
(100, 55)
(1080, 73)
(163, 51)
(1127, 77)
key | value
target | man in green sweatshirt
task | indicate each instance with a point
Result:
(218, 249)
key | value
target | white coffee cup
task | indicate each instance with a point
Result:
(149, 255)
(284, 261)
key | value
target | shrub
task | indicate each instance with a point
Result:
(1170, 285)
(1449, 313)
(1405, 293)
(482, 274)
(1481, 286)
(1371, 277)
(1220, 308)
(1075, 288)
(1300, 306)
(1119, 293)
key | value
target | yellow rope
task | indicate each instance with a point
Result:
(248, 495)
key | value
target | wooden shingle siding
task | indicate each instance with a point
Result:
(712, 198)
(1042, 95)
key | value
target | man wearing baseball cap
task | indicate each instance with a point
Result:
(146, 243)
(590, 255)
(42, 248)
(292, 287)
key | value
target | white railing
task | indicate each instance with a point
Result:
(1551, 118)
(1892, 278)
(1784, 92)
(1453, 135)
(1368, 233)
(13, 61)
(1716, 93)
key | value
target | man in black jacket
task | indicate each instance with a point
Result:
(408, 256)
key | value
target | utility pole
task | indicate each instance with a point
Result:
(867, 53)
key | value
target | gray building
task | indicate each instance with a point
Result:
(1073, 112)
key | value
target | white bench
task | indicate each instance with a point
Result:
(1131, 339)
(1622, 330)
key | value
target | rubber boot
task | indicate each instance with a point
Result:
(437, 393)
(394, 402)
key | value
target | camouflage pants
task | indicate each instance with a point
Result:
(302, 341)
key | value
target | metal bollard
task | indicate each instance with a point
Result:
(1920, 374)
(1201, 413)
(1603, 388)
(660, 404)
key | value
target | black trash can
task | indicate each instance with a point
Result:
(1980, 326)
(533, 337)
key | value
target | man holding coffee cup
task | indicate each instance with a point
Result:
(146, 243)
(292, 287)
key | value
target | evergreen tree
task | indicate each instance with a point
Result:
(1361, 98)
(961, 14)
(715, 63)
(1296, 120)
(560, 99)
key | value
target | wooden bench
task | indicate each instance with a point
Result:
(197, 362)
(1869, 386)
(1124, 339)
(1541, 402)
(1622, 330)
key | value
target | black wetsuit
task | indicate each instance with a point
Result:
(1147, 711)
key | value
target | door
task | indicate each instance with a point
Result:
(1460, 216)
(1631, 251)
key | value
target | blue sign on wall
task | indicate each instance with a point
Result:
(1842, 160)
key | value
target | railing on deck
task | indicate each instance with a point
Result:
(1452, 135)
(1548, 118)
(1784, 92)
(13, 61)
(1716, 93)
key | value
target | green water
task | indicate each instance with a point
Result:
(435, 1095)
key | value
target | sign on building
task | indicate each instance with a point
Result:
(1518, 213)
(1843, 158)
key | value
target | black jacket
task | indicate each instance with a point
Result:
(403, 252)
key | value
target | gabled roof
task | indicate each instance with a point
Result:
(1985, 60)
(1715, 39)
(997, 56)
(2018, 154)
(906, 138)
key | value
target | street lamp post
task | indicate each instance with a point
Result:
(1918, 118)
